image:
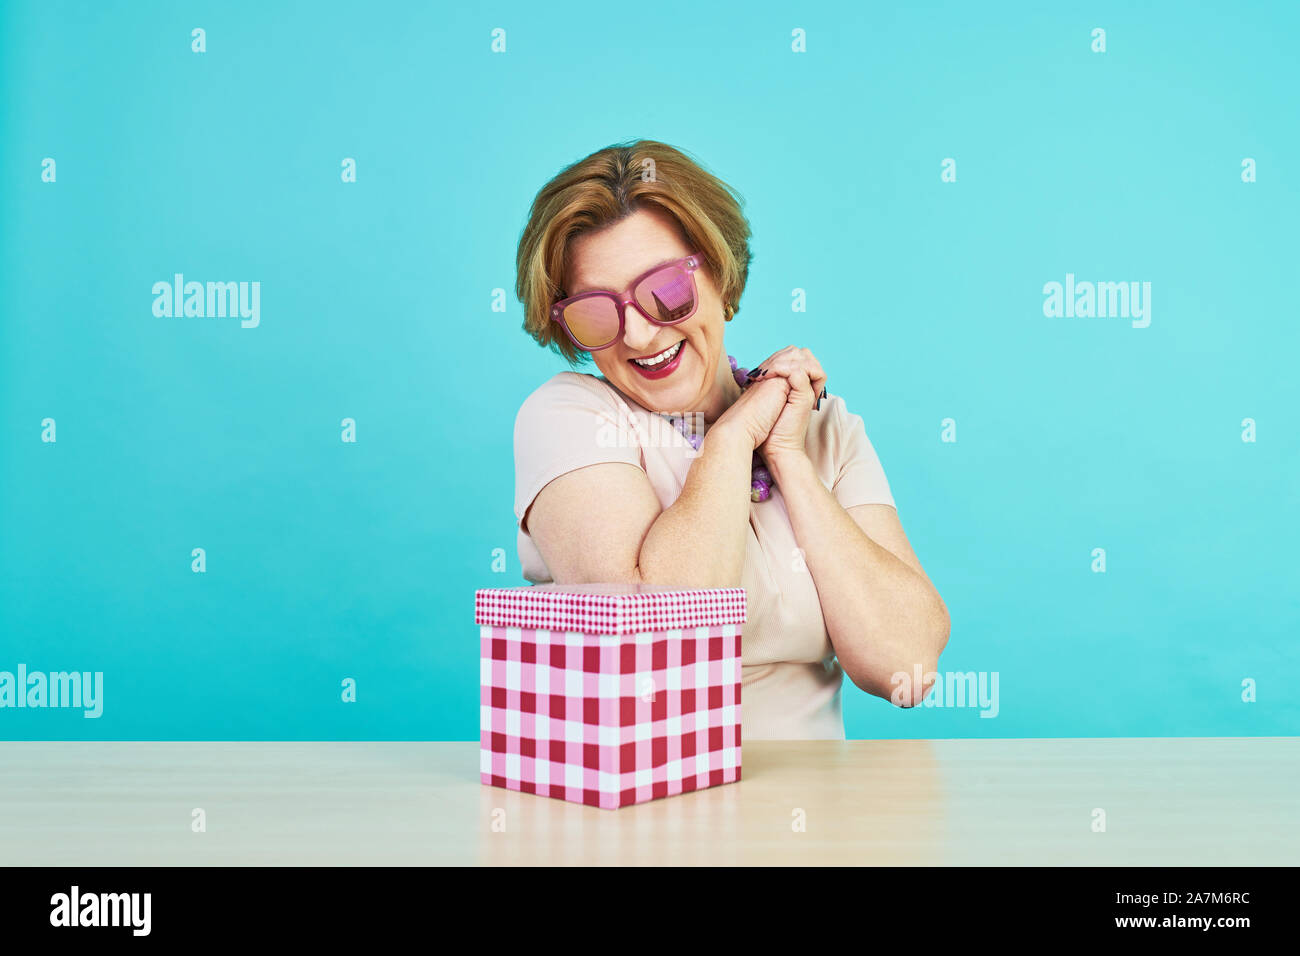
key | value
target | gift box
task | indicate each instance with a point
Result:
(609, 694)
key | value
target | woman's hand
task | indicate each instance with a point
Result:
(803, 373)
(753, 415)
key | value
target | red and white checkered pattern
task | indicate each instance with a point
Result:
(608, 609)
(611, 719)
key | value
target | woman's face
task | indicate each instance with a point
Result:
(608, 260)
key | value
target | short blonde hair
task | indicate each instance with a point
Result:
(608, 186)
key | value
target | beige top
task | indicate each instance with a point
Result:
(791, 679)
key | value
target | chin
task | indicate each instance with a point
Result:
(672, 388)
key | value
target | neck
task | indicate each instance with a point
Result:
(722, 395)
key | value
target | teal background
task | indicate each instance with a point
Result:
(328, 560)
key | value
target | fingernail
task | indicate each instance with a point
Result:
(823, 391)
(757, 372)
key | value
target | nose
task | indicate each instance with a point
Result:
(638, 331)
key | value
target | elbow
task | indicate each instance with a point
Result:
(910, 685)
(904, 683)
(924, 668)
(940, 628)
(908, 677)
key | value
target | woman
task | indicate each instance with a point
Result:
(638, 257)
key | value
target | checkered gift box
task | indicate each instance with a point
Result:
(609, 694)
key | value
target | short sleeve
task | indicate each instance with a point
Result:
(571, 421)
(859, 476)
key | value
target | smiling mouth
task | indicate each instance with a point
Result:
(659, 360)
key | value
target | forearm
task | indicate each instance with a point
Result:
(699, 540)
(883, 616)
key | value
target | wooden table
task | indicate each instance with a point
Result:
(1167, 802)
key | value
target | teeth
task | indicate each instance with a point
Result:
(665, 356)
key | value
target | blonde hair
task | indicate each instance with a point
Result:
(608, 186)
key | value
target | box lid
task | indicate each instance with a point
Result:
(608, 608)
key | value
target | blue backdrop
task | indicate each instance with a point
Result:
(327, 560)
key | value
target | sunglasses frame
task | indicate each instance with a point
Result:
(622, 300)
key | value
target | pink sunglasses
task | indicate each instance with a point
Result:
(665, 295)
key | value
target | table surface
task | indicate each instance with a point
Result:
(1167, 801)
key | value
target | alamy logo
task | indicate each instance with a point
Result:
(211, 300)
(632, 429)
(55, 689)
(950, 689)
(102, 909)
(1086, 300)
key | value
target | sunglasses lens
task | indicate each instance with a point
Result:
(667, 296)
(592, 321)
